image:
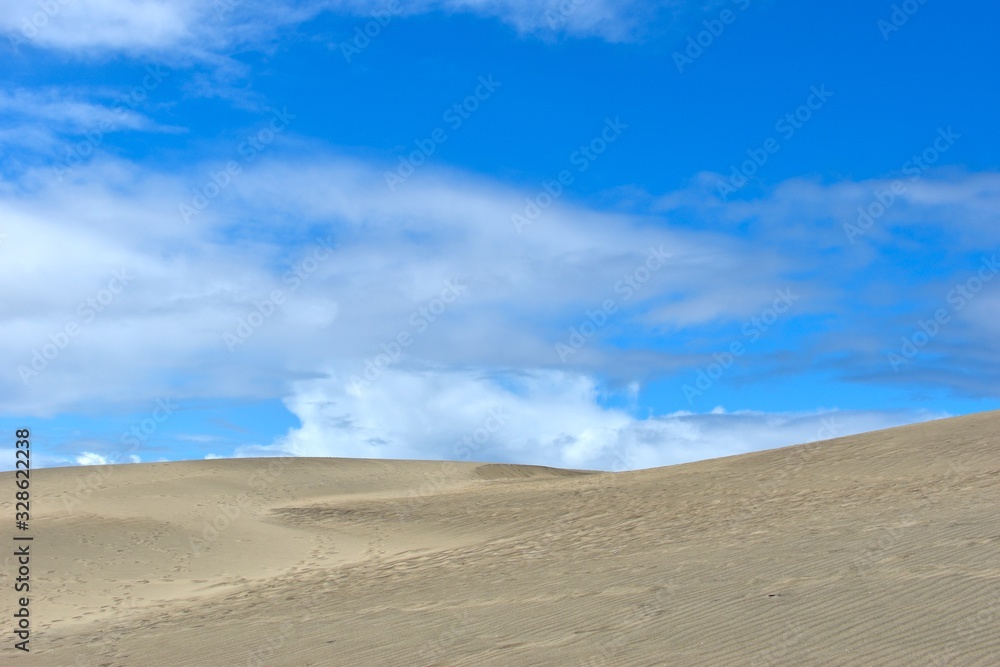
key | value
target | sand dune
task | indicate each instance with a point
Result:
(878, 549)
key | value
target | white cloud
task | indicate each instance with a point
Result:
(187, 287)
(523, 292)
(801, 207)
(65, 110)
(85, 25)
(539, 417)
(682, 436)
(492, 347)
(128, 25)
(91, 459)
(69, 124)
(615, 21)
(520, 417)
(198, 438)
(192, 30)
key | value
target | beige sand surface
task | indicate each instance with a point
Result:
(878, 549)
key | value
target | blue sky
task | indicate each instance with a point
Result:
(587, 234)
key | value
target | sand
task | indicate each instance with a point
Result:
(877, 549)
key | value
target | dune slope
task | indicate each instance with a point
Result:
(882, 548)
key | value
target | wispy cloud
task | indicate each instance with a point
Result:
(183, 29)
(391, 258)
(70, 125)
(133, 26)
(615, 21)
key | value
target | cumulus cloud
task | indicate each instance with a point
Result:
(446, 414)
(91, 459)
(540, 417)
